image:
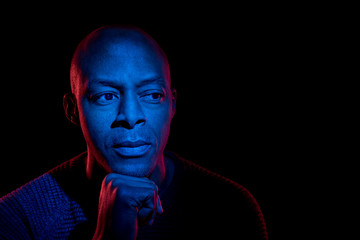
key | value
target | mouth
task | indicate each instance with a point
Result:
(129, 149)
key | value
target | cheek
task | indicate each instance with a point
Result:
(95, 126)
(160, 124)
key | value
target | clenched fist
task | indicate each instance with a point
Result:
(125, 202)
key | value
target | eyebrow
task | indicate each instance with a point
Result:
(156, 79)
(145, 82)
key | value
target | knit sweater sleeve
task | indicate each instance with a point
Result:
(13, 222)
(39, 210)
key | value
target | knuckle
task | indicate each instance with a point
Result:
(152, 188)
(121, 192)
(155, 187)
(109, 178)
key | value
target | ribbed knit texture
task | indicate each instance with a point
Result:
(198, 204)
(39, 210)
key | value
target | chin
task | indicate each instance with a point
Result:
(134, 169)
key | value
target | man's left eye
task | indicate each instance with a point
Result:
(153, 97)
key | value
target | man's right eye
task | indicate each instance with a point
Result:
(105, 98)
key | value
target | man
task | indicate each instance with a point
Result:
(125, 186)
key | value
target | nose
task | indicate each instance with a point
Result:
(130, 113)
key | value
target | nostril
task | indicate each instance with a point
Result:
(127, 124)
(140, 121)
(121, 123)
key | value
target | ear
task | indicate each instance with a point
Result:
(70, 108)
(173, 99)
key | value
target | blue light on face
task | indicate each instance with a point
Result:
(109, 96)
(126, 108)
(153, 97)
(104, 98)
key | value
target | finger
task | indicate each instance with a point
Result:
(157, 210)
(134, 182)
(148, 210)
(160, 209)
(127, 178)
(155, 207)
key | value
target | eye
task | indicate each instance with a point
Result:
(109, 96)
(105, 98)
(153, 97)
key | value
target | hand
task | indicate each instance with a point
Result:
(125, 200)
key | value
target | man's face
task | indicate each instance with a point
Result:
(125, 107)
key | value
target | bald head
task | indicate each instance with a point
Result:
(120, 79)
(125, 44)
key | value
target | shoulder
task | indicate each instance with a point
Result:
(43, 188)
(70, 166)
(220, 202)
(40, 207)
(206, 180)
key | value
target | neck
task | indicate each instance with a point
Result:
(94, 172)
(159, 172)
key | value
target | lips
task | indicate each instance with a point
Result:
(132, 148)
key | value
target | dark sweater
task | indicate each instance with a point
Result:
(198, 204)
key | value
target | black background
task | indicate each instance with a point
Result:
(248, 98)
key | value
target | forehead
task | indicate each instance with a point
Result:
(124, 61)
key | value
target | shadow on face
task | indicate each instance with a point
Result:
(124, 102)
